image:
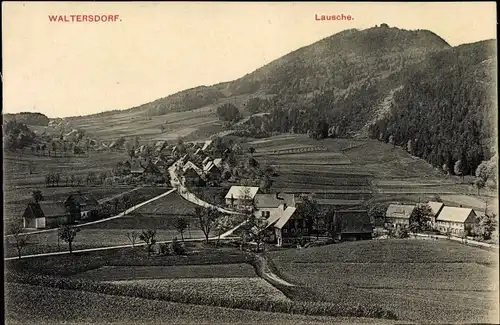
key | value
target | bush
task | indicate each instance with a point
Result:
(164, 249)
(178, 248)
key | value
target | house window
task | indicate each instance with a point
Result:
(268, 214)
(293, 230)
(284, 230)
(300, 229)
(263, 213)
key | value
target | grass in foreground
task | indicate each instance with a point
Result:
(421, 280)
(26, 304)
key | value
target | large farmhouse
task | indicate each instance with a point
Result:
(456, 220)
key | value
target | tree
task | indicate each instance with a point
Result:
(265, 184)
(68, 233)
(148, 236)
(376, 213)
(308, 210)
(479, 183)
(420, 218)
(486, 226)
(458, 169)
(132, 237)
(228, 112)
(254, 229)
(115, 203)
(37, 196)
(16, 230)
(206, 219)
(222, 224)
(181, 225)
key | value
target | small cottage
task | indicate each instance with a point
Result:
(82, 206)
(39, 215)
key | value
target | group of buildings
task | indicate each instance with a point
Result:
(455, 220)
(279, 210)
(78, 206)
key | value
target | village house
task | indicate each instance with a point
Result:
(152, 169)
(211, 170)
(436, 208)
(241, 196)
(353, 224)
(456, 220)
(82, 205)
(40, 215)
(277, 209)
(206, 145)
(136, 169)
(398, 215)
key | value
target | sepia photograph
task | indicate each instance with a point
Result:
(250, 163)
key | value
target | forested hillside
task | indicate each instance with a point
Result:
(28, 118)
(446, 110)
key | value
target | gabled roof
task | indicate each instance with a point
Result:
(274, 200)
(435, 207)
(354, 221)
(218, 162)
(236, 192)
(45, 209)
(81, 199)
(191, 165)
(197, 151)
(399, 211)
(287, 214)
(453, 214)
(206, 145)
(206, 160)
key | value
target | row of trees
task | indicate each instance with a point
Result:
(92, 178)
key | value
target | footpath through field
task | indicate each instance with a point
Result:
(135, 207)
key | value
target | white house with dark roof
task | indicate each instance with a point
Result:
(277, 209)
(456, 220)
(237, 194)
(399, 214)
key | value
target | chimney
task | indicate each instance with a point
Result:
(277, 196)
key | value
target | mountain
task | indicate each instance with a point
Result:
(384, 82)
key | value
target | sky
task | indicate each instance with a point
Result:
(156, 49)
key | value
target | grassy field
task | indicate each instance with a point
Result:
(27, 304)
(126, 273)
(436, 281)
(107, 233)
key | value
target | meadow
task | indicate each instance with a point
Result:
(28, 304)
(436, 281)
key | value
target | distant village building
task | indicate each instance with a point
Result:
(241, 196)
(456, 220)
(136, 169)
(399, 214)
(206, 145)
